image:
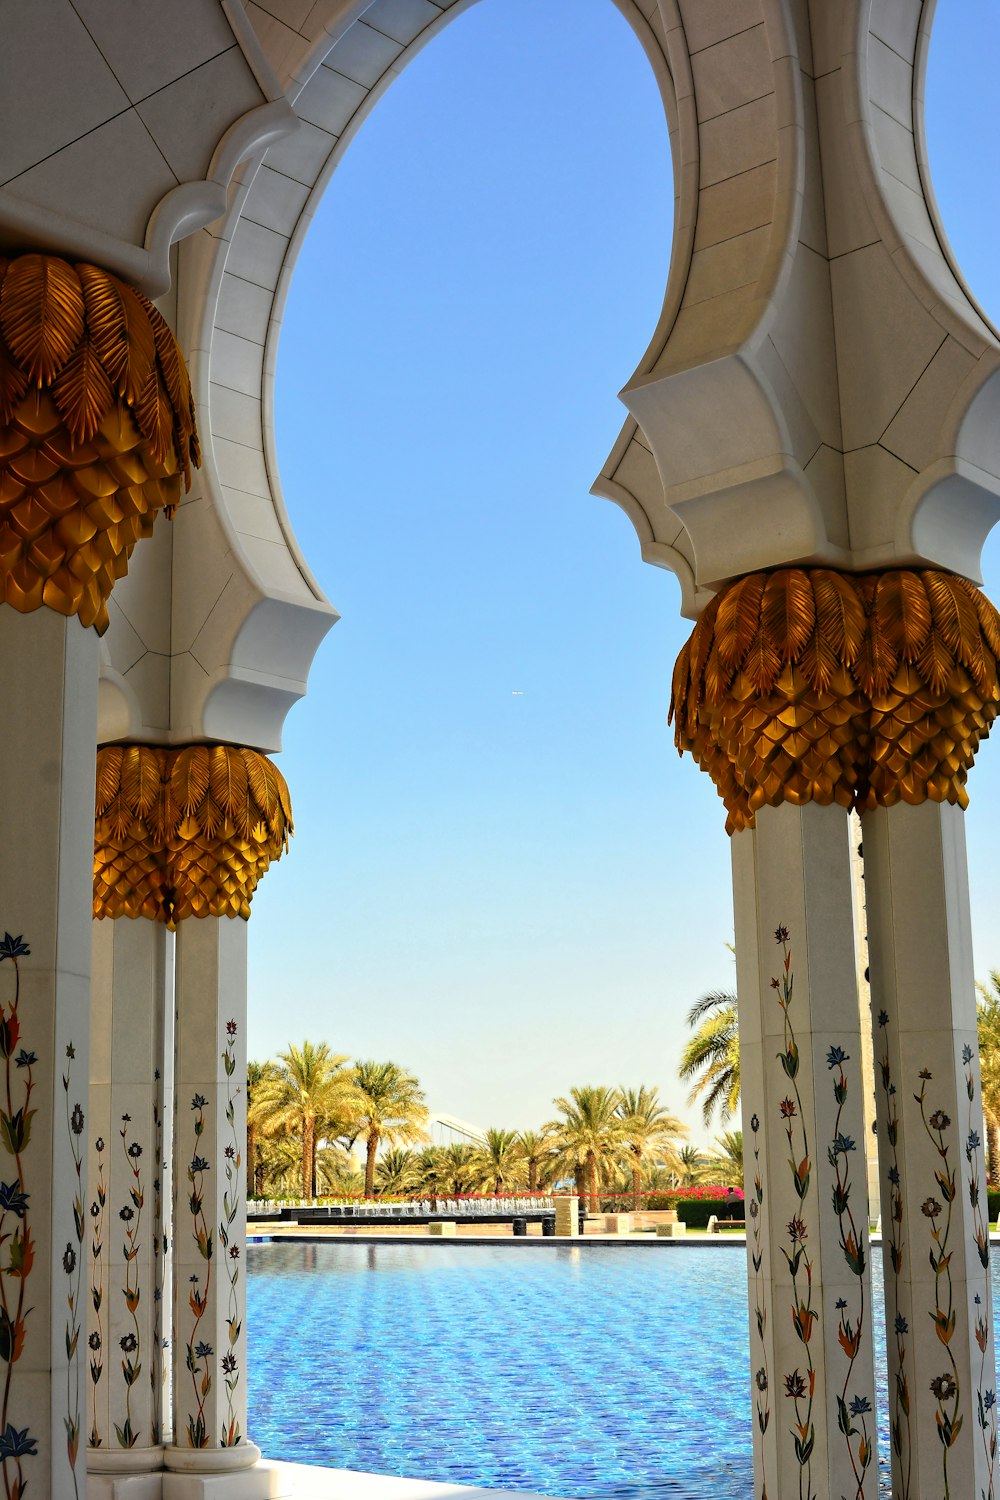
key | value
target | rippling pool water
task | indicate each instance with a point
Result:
(571, 1371)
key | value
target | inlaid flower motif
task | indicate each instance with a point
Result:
(126, 1213)
(94, 1341)
(199, 1101)
(925, 1074)
(229, 1364)
(990, 1399)
(836, 1056)
(203, 1351)
(199, 1164)
(843, 1143)
(13, 947)
(966, 1053)
(788, 1110)
(128, 1344)
(76, 1120)
(795, 1385)
(901, 1324)
(860, 1405)
(943, 1387)
(796, 1231)
(754, 1123)
(135, 1150)
(761, 1379)
(69, 1260)
(231, 1028)
(781, 934)
(939, 1120)
(930, 1208)
(25, 1059)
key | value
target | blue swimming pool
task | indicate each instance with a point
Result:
(571, 1371)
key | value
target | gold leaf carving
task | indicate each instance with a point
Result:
(220, 815)
(97, 432)
(41, 314)
(121, 330)
(83, 393)
(878, 692)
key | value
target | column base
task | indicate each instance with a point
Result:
(109, 1486)
(263, 1481)
(210, 1461)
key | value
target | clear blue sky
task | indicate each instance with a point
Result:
(502, 876)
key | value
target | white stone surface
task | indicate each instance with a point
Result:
(126, 1256)
(46, 891)
(934, 1212)
(798, 1005)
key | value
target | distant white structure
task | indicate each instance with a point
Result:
(449, 1130)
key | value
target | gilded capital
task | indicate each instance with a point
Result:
(185, 832)
(97, 432)
(808, 685)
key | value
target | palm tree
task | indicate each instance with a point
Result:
(648, 1127)
(430, 1172)
(391, 1110)
(536, 1150)
(690, 1166)
(726, 1164)
(312, 1095)
(499, 1161)
(988, 1025)
(258, 1074)
(712, 1056)
(590, 1136)
(457, 1167)
(397, 1170)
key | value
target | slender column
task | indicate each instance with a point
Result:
(807, 1206)
(942, 1380)
(47, 736)
(209, 1365)
(125, 1236)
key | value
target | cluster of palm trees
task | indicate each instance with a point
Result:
(313, 1113)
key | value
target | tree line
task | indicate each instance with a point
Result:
(311, 1113)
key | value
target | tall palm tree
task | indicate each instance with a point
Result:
(536, 1150)
(690, 1166)
(499, 1161)
(397, 1170)
(712, 1056)
(648, 1127)
(988, 1025)
(590, 1136)
(312, 1095)
(258, 1074)
(725, 1165)
(391, 1110)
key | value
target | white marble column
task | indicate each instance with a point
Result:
(812, 1376)
(942, 1380)
(47, 738)
(132, 990)
(209, 1363)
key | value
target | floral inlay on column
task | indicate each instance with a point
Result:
(96, 1340)
(850, 1331)
(199, 1353)
(16, 1114)
(230, 1207)
(131, 1343)
(899, 1424)
(73, 1267)
(986, 1400)
(761, 1375)
(946, 1387)
(156, 1371)
(799, 1388)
